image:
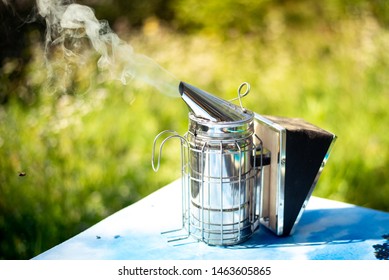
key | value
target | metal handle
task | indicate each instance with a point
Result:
(174, 135)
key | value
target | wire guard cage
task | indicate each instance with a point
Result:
(221, 187)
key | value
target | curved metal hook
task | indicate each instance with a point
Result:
(241, 95)
(175, 134)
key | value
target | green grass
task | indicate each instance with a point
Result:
(87, 154)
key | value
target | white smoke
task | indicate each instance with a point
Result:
(65, 19)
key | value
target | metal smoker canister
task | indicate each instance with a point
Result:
(221, 170)
(222, 180)
(233, 180)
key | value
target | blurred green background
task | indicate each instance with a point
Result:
(76, 147)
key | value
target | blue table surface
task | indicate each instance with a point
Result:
(328, 230)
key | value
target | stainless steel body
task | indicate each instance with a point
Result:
(221, 178)
(220, 171)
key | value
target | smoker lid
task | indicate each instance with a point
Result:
(211, 108)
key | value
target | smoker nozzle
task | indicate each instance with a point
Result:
(209, 107)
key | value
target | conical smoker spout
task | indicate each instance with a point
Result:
(209, 107)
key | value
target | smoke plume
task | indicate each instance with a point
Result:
(70, 22)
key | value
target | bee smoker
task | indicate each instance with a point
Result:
(241, 169)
